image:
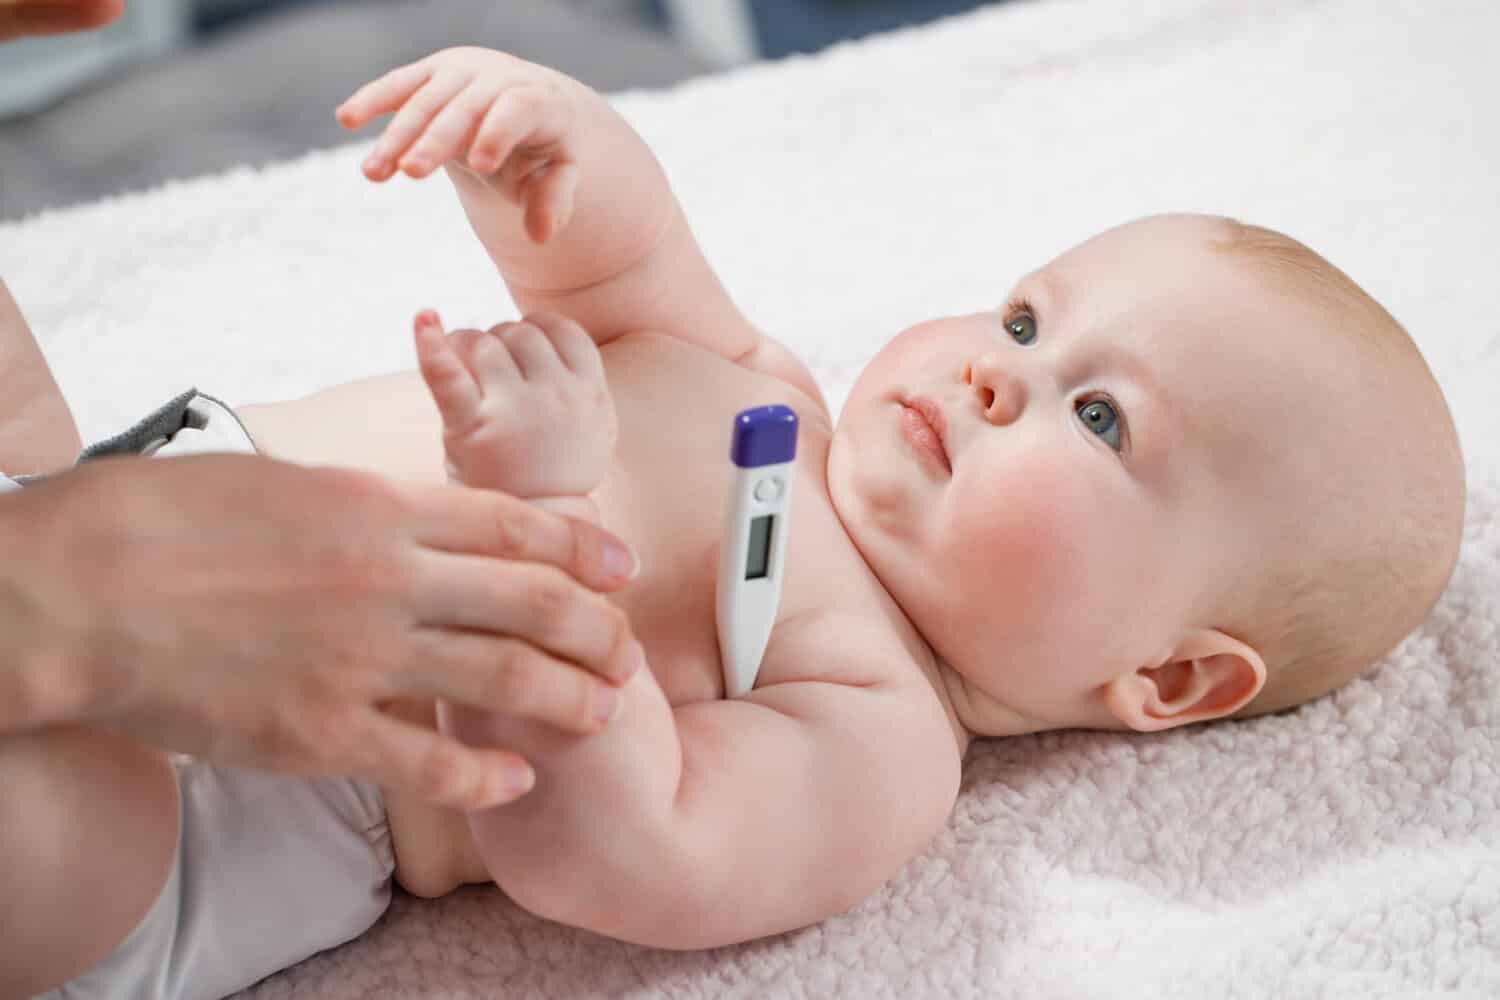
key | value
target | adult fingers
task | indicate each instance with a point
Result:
(439, 768)
(458, 519)
(505, 675)
(537, 604)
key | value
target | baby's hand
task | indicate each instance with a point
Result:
(525, 405)
(503, 118)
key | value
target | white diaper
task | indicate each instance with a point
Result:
(269, 870)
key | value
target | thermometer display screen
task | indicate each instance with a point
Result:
(758, 559)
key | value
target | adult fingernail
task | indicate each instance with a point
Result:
(635, 659)
(620, 561)
(607, 703)
(519, 779)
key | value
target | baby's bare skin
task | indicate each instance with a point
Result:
(1032, 517)
(850, 746)
(665, 492)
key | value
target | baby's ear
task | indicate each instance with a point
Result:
(1207, 676)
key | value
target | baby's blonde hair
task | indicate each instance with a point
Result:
(1336, 600)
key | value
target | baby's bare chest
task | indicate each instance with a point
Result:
(666, 493)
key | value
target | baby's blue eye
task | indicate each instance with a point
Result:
(1100, 417)
(1022, 327)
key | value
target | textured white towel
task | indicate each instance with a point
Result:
(1349, 849)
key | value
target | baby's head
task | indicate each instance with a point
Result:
(1190, 471)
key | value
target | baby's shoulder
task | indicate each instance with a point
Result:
(856, 648)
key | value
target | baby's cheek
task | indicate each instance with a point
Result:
(923, 353)
(1024, 543)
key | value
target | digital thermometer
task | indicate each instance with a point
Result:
(754, 542)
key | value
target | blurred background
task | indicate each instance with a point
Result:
(178, 88)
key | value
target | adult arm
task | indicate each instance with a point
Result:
(37, 433)
(260, 613)
(19, 18)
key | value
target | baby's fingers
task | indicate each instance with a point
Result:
(548, 196)
(530, 114)
(453, 388)
(411, 121)
(572, 342)
(447, 136)
(382, 96)
(532, 351)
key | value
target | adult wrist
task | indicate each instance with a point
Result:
(37, 686)
(17, 666)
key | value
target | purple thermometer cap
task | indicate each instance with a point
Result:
(764, 435)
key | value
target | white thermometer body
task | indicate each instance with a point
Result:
(753, 547)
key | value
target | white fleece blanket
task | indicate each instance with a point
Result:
(1351, 848)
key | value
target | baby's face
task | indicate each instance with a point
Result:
(1093, 487)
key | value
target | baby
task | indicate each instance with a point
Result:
(1187, 471)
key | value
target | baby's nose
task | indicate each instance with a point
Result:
(1002, 394)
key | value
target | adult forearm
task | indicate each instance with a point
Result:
(621, 208)
(37, 433)
(20, 707)
(39, 683)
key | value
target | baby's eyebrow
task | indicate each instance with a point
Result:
(1129, 362)
(1159, 426)
(1055, 291)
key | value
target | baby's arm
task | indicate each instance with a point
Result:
(571, 204)
(720, 821)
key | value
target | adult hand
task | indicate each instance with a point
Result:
(19, 18)
(263, 614)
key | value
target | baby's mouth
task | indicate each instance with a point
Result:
(924, 426)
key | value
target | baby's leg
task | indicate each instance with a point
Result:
(37, 433)
(88, 840)
(386, 424)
